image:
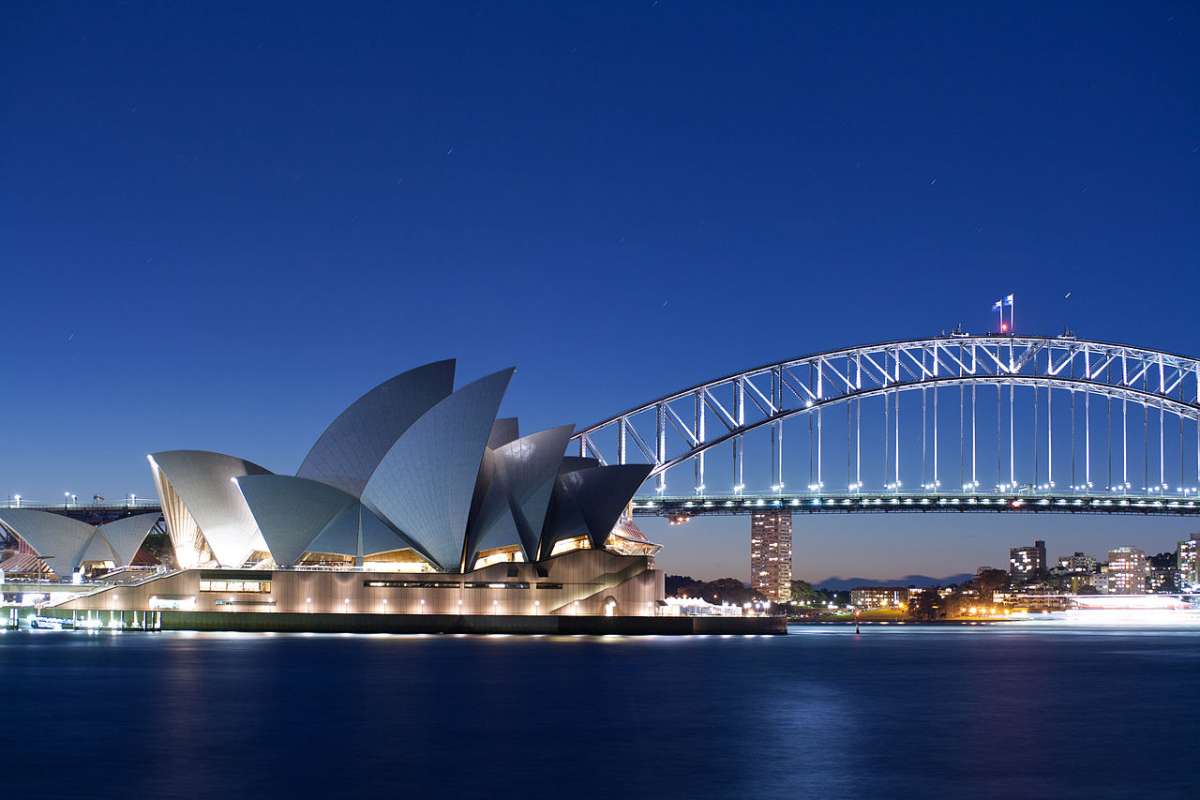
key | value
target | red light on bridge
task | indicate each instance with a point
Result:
(1004, 327)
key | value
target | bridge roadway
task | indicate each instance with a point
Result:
(90, 513)
(891, 502)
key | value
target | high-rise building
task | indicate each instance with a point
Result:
(771, 554)
(1128, 571)
(1027, 563)
(1188, 559)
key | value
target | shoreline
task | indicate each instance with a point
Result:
(450, 624)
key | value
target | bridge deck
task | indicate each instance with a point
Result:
(891, 502)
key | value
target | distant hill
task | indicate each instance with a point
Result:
(841, 584)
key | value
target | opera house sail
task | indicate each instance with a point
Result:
(413, 470)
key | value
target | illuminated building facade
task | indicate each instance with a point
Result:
(879, 597)
(1164, 579)
(1027, 564)
(1188, 558)
(580, 582)
(1077, 564)
(1128, 571)
(771, 554)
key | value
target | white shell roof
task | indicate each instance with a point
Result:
(291, 512)
(425, 483)
(58, 539)
(521, 483)
(126, 535)
(350, 449)
(205, 484)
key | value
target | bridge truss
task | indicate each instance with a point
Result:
(1078, 425)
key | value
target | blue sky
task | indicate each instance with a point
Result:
(220, 224)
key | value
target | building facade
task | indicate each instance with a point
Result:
(1027, 564)
(1164, 573)
(1188, 558)
(771, 554)
(579, 582)
(879, 597)
(1128, 571)
(1077, 564)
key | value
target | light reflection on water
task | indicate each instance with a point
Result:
(1013, 710)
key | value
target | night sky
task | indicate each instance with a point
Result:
(219, 224)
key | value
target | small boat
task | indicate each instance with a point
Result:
(51, 624)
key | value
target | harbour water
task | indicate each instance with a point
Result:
(987, 711)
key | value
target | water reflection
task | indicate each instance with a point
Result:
(1018, 711)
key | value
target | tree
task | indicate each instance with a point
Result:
(927, 606)
(989, 581)
(680, 585)
(719, 591)
(803, 592)
(729, 590)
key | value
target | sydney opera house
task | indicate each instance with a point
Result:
(415, 502)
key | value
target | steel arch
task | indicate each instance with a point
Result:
(812, 383)
(1186, 410)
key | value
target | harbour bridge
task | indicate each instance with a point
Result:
(958, 422)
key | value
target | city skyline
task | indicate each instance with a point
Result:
(881, 558)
